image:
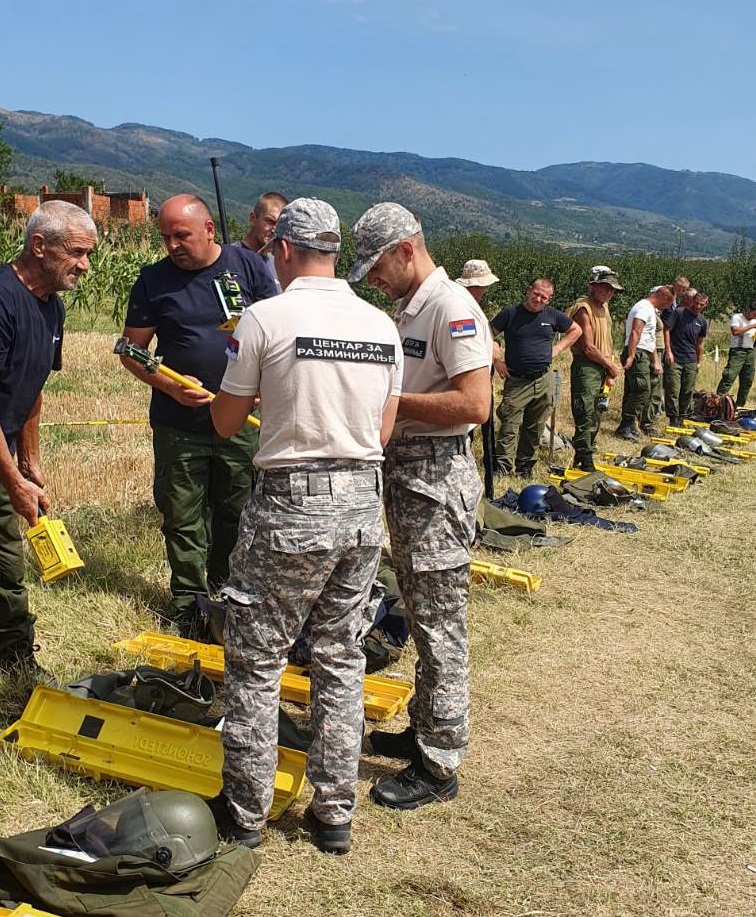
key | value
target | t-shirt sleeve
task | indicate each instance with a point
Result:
(562, 322)
(244, 352)
(57, 363)
(500, 321)
(140, 312)
(460, 341)
(262, 285)
(704, 328)
(396, 382)
(669, 318)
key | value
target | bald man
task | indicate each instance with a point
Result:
(201, 480)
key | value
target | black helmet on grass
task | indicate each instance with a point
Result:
(531, 500)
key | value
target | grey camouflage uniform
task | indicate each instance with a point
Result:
(309, 546)
(432, 490)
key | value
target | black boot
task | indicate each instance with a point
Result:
(395, 744)
(228, 828)
(414, 787)
(583, 461)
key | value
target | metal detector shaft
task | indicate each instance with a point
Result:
(124, 347)
(557, 391)
(487, 432)
(215, 164)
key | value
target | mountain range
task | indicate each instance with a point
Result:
(585, 205)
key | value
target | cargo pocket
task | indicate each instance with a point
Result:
(301, 541)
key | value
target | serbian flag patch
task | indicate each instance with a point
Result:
(464, 328)
(232, 348)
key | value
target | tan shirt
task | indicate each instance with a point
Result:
(601, 325)
(444, 333)
(325, 364)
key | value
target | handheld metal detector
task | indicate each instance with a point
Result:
(53, 549)
(153, 364)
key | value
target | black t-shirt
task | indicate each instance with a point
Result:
(528, 337)
(183, 308)
(685, 329)
(31, 337)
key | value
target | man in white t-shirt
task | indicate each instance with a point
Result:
(741, 359)
(639, 358)
(327, 367)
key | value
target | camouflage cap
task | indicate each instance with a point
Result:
(376, 231)
(603, 274)
(305, 220)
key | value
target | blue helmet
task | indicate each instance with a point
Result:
(748, 423)
(531, 500)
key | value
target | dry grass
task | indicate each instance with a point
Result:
(611, 767)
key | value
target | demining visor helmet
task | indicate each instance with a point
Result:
(747, 423)
(659, 451)
(173, 828)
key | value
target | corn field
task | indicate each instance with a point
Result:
(99, 302)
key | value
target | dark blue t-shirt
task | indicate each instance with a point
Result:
(685, 329)
(31, 337)
(183, 308)
(528, 337)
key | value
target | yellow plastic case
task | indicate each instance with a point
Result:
(107, 741)
(384, 697)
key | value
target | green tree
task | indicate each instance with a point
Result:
(68, 180)
(6, 157)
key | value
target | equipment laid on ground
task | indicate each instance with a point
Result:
(661, 463)
(53, 549)
(532, 499)
(647, 483)
(173, 828)
(108, 741)
(483, 572)
(747, 423)
(693, 444)
(153, 364)
(24, 910)
(731, 438)
(384, 697)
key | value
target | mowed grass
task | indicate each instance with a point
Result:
(611, 765)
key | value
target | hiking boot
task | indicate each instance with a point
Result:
(649, 430)
(395, 744)
(335, 839)
(627, 432)
(584, 462)
(526, 473)
(228, 828)
(414, 787)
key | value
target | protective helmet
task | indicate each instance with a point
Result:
(531, 499)
(706, 436)
(659, 451)
(694, 444)
(173, 828)
(747, 423)
(610, 492)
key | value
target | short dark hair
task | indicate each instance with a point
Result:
(270, 197)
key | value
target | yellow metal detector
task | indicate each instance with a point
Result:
(53, 549)
(124, 347)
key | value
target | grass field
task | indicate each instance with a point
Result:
(611, 768)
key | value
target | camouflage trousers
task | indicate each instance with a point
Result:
(432, 490)
(309, 544)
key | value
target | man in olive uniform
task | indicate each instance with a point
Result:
(684, 332)
(741, 359)
(529, 349)
(592, 364)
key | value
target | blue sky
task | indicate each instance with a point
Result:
(515, 84)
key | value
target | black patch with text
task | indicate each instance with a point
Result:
(348, 351)
(414, 348)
